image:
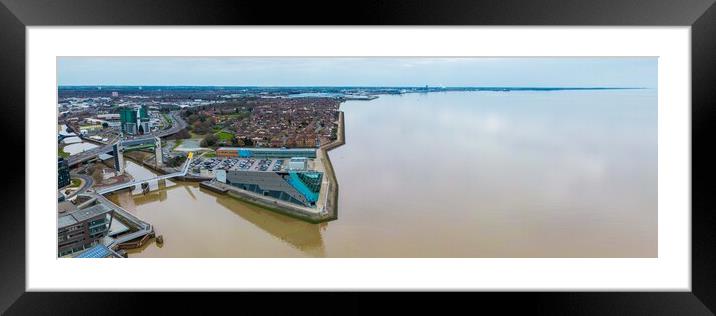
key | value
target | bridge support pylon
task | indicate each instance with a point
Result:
(118, 152)
(158, 151)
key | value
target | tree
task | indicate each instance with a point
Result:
(141, 130)
(105, 125)
(192, 118)
(183, 134)
(209, 140)
(207, 125)
(176, 161)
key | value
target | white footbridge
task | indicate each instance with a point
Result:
(136, 182)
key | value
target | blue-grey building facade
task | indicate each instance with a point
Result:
(300, 188)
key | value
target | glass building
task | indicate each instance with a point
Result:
(134, 121)
(300, 188)
(128, 119)
(63, 173)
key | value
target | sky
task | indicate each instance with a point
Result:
(636, 72)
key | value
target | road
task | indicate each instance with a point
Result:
(177, 124)
(87, 183)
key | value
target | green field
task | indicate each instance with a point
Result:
(167, 121)
(196, 135)
(75, 183)
(177, 143)
(223, 135)
(62, 153)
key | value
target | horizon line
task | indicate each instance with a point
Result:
(342, 86)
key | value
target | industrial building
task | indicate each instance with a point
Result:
(79, 229)
(244, 152)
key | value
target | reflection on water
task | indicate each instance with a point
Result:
(198, 223)
(300, 235)
(468, 174)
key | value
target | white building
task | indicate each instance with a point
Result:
(109, 116)
(298, 163)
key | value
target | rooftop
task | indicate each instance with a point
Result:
(74, 217)
(65, 207)
(98, 251)
(65, 220)
(267, 149)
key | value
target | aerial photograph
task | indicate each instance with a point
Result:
(357, 157)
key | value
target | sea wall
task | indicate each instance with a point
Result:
(332, 201)
(281, 207)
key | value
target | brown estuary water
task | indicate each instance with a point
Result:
(454, 174)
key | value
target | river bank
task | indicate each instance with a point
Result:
(322, 153)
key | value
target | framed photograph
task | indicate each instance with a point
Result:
(549, 148)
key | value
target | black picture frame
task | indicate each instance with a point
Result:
(700, 15)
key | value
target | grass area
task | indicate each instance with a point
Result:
(223, 135)
(177, 143)
(62, 153)
(196, 136)
(91, 127)
(167, 120)
(210, 154)
(75, 183)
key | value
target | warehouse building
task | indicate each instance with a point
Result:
(244, 152)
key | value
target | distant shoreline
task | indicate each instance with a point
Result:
(458, 88)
